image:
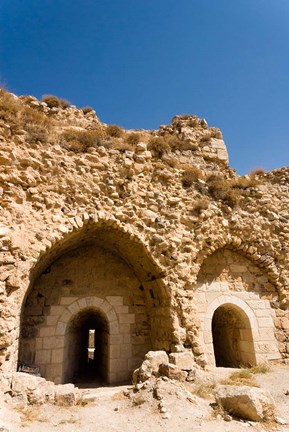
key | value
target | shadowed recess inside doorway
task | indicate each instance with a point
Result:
(86, 348)
(232, 337)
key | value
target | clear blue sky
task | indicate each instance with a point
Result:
(139, 62)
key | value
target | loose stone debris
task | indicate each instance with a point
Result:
(247, 403)
(37, 391)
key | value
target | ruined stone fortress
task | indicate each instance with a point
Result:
(114, 243)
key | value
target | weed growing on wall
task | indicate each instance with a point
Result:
(55, 102)
(114, 131)
(79, 141)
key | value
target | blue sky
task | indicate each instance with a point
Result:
(139, 62)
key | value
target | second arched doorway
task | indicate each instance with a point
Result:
(232, 337)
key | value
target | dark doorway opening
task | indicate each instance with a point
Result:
(86, 349)
(232, 337)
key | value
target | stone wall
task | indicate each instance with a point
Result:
(227, 279)
(166, 221)
(85, 277)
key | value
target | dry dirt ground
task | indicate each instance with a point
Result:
(109, 409)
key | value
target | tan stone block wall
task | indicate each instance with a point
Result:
(135, 205)
(87, 278)
(123, 357)
(228, 278)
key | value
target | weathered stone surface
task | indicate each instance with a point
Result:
(35, 390)
(126, 221)
(183, 360)
(248, 403)
(65, 395)
(172, 372)
(155, 359)
(29, 388)
(150, 366)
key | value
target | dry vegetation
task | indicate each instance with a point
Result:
(79, 141)
(204, 390)
(201, 204)
(245, 376)
(229, 191)
(241, 378)
(55, 102)
(24, 119)
(191, 174)
(261, 368)
(170, 161)
(114, 131)
(36, 124)
(133, 138)
(10, 111)
(246, 182)
(175, 143)
(87, 109)
(23, 116)
(158, 146)
(121, 146)
(256, 172)
(221, 188)
(162, 145)
(27, 119)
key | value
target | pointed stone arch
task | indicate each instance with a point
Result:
(64, 237)
(141, 318)
(236, 244)
(250, 306)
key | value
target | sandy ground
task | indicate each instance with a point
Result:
(108, 409)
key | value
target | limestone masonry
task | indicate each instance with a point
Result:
(114, 243)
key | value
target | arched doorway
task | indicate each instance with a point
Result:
(101, 267)
(86, 345)
(86, 277)
(232, 337)
(235, 284)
